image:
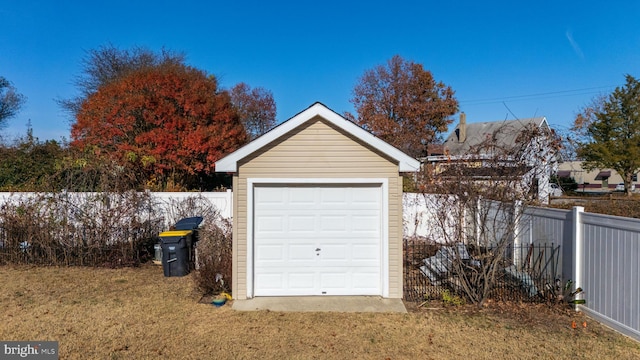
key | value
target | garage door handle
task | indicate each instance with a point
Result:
(318, 249)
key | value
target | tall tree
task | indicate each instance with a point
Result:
(108, 63)
(170, 121)
(256, 108)
(29, 164)
(10, 101)
(404, 105)
(609, 132)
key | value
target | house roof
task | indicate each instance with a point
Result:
(229, 163)
(490, 172)
(505, 133)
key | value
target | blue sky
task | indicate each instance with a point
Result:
(504, 59)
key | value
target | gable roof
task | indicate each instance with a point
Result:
(229, 163)
(505, 132)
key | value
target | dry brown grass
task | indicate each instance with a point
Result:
(139, 314)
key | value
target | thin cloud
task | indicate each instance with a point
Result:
(574, 45)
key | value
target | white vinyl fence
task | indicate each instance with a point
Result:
(608, 269)
(222, 201)
(545, 226)
(427, 216)
(600, 254)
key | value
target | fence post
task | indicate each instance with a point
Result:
(476, 220)
(229, 204)
(578, 247)
(517, 241)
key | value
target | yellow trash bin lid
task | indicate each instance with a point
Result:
(175, 233)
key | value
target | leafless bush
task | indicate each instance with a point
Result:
(25, 233)
(213, 274)
(193, 205)
(481, 196)
(93, 229)
(110, 229)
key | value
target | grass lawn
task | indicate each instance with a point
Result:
(139, 314)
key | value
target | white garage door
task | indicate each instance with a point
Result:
(317, 240)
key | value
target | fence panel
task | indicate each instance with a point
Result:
(611, 271)
(495, 221)
(223, 201)
(430, 216)
(544, 225)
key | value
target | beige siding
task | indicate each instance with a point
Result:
(235, 231)
(317, 150)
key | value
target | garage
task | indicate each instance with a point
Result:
(318, 240)
(317, 210)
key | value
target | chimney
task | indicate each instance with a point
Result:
(462, 128)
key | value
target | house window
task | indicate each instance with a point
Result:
(535, 187)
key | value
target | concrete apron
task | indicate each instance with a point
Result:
(321, 304)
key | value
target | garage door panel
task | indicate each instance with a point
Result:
(333, 223)
(301, 280)
(366, 280)
(333, 281)
(333, 196)
(269, 282)
(270, 253)
(366, 196)
(274, 223)
(343, 222)
(300, 196)
(365, 252)
(368, 222)
(334, 252)
(301, 223)
(271, 196)
(303, 252)
(277, 282)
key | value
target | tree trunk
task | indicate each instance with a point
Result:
(628, 180)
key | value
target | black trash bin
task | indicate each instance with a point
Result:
(176, 252)
(191, 223)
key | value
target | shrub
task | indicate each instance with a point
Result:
(214, 250)
(452, 299)
(90, 229)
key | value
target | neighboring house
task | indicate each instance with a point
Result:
(595, 180)
(524, 149)
(317, 210)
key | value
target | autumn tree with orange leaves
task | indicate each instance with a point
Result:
(404, 105)
(168, 123)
